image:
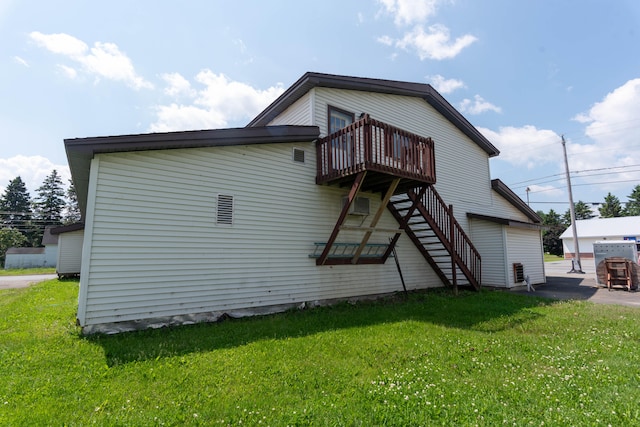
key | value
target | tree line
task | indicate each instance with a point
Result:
(24, 219)
(555, 224)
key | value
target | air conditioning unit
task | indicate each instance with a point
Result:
(360, 206)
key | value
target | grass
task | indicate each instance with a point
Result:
(489, 358)
(26, 271)
(551, 258)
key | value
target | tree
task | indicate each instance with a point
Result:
(15, 205)
(632, 207)
(50, 200)
(10, 238)
(72, 211)
(611, 207)
(582, 210)
(551, 235)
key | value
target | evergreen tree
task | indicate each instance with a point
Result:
(72, 212)
(582, 210)
(611, 207)
(50, 201)
(632, 207)
(15, 206)
(551, 235)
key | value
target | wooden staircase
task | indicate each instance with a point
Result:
(431, 226)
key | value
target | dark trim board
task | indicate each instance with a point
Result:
(505, 221)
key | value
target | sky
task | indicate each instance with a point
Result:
(526, 73)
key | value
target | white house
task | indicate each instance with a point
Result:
(594, 230)
(304, 205)
(70, 238)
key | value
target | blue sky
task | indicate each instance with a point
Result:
(523, 72)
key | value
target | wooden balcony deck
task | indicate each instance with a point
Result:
(384, 151)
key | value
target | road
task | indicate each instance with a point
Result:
(9, 282)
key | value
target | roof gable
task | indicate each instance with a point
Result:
(311, 80)
(502, 189)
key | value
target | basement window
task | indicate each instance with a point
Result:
(224, 210)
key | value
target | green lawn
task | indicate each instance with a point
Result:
(550, 258)
(25, 271)
(487, 359)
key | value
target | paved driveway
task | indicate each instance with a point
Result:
(563, 285)
(8, 282)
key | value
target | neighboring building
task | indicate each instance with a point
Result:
(594, 230)
(304, 205)
(70, 238)
(45, 256)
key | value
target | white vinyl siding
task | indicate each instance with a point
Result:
(70, 252)
(489, 239)
(462, 167)
(525, 247)
(300, 113)
(156, 250)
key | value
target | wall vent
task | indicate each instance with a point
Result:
(224, 210)
(518, 272)
(298, 155)
(360, 206)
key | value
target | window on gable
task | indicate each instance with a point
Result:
(341, 146)
(339, 119)
(224, 210)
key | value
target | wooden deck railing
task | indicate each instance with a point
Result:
(375, 146)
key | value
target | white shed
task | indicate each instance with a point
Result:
(70, 238)
(593, 230)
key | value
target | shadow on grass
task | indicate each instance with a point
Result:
(488, 311)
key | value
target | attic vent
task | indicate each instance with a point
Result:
(224, 213)
(360, 206)
(518, 272)
(298, 155)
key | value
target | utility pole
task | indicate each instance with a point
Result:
(527, 190)
(576, 267)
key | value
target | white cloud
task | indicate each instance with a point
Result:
(525, 146)
(443, 85)
(615, 118)
(218, 102)
(21, 61)
(102, 60)
(477, 106)
(177, 85)
(32, 169)
(613, 128)
(407, 12)
(68, 71)
(62, 44)
(434, 44)
(385, 40)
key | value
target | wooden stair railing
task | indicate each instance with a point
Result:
(431, 226)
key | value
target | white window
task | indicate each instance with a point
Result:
(339, 119)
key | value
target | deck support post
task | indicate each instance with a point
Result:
(376, 218)
(355, 188)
